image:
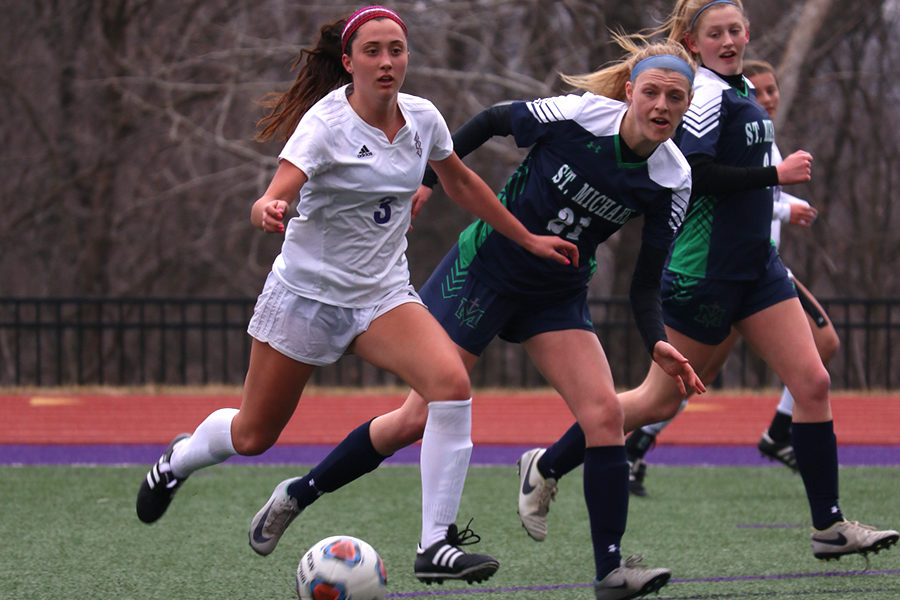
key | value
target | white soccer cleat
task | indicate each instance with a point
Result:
(850, 537)
(535, 494)
(270, 523)
(630, 581)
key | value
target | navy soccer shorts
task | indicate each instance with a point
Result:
(473, 313)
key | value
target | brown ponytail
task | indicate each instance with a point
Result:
(320, 71)
(755, 67)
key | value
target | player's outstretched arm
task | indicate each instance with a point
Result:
(471, 192)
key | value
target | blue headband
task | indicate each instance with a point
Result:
(694, 20)
(664, 61)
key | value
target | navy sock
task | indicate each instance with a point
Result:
(564, 455)
(815, 447)
(606, 495)
(352, 458)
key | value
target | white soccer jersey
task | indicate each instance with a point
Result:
(347, 244)
(781, 209)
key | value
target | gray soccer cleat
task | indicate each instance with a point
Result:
(273, 519)
(850, 537)
(535, 494)
(630, 580)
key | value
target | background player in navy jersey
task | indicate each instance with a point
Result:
(775, 442)
(596, 161)
(356, 152)
(724, 271)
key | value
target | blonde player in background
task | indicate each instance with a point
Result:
(724, 272)
(775, 442)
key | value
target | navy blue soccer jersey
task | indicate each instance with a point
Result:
(725, 236)
(575, 184)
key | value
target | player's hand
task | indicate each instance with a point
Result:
(677, 366)
(796, 168)
(554, 248)
(273, 216)
(802, 215)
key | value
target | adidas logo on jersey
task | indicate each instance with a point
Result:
(364, 152)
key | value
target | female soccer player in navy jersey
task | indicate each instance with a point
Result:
(724, 271)
(356, 151)
(596, 161)
(775, 441)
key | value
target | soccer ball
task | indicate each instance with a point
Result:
(341, 567)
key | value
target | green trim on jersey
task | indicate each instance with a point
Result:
(690, 251)
(473, 236)
(617, 140)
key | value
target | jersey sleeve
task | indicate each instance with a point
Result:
(699, 130)
(307, 149)
(441, 141)
(781, 208)
(533, 120)
(669, 169)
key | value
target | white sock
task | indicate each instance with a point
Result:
(654, 428)
(209, 445)
(444, 461)
(786, 406)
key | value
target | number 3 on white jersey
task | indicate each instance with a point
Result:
(383, 214)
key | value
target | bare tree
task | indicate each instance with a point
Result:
(800, 43)
(130, 164)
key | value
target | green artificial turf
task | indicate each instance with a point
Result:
(725, 532)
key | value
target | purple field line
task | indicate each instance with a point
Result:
(539, 588)
(142, 454)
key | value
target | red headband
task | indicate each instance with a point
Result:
(364, 15)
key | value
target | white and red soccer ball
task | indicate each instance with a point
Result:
(341, 567)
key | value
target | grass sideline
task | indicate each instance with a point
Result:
(725, 532)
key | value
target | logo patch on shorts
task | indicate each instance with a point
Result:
(710, 315)
(469, 313)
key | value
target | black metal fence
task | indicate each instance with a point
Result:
(198, 341)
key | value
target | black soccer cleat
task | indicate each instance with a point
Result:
(444, 560)
(782, 452)
(159, 486)
(637, 471)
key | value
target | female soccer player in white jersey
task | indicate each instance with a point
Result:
(356, 153)
(724, 272)
(775, 442)
(596, 161)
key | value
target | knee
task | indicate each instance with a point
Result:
(821, 383)
(814, 388)
(252, 443)
(601, 420)
(447, 384)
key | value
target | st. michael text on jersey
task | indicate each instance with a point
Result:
(590, 199)
(759, 132)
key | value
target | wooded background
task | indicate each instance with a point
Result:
(129, 166)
